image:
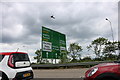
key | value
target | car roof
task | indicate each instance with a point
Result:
(9, 53)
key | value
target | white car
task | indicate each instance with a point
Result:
(15, 66)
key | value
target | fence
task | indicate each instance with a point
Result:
(35, 66)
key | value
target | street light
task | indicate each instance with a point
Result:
(111, 28)
(112, 33)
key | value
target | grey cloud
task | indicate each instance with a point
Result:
(81, 22)
(76, 20)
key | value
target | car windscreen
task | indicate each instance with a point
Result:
(20, 57)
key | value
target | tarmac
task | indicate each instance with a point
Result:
(51, 74)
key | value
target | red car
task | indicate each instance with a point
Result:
(105, 71)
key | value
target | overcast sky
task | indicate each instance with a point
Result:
(82, 22)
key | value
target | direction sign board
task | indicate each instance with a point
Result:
(53, 43)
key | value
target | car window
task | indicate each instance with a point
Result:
(21, 57)
(116, 61)
(1, 57)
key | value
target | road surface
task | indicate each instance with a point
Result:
(59, 73)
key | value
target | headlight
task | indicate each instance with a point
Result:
(93, 71)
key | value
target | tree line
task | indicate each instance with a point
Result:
(102, 48)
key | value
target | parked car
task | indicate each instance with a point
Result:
(105, 71)
(15, 66)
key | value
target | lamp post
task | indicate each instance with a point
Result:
(112, 33)
(111, 28)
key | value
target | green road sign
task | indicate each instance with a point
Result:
(53, 43)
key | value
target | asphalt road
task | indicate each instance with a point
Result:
(74, 74)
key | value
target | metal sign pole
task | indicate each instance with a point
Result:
(46, 56)
(55, 57)
(52, 60)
